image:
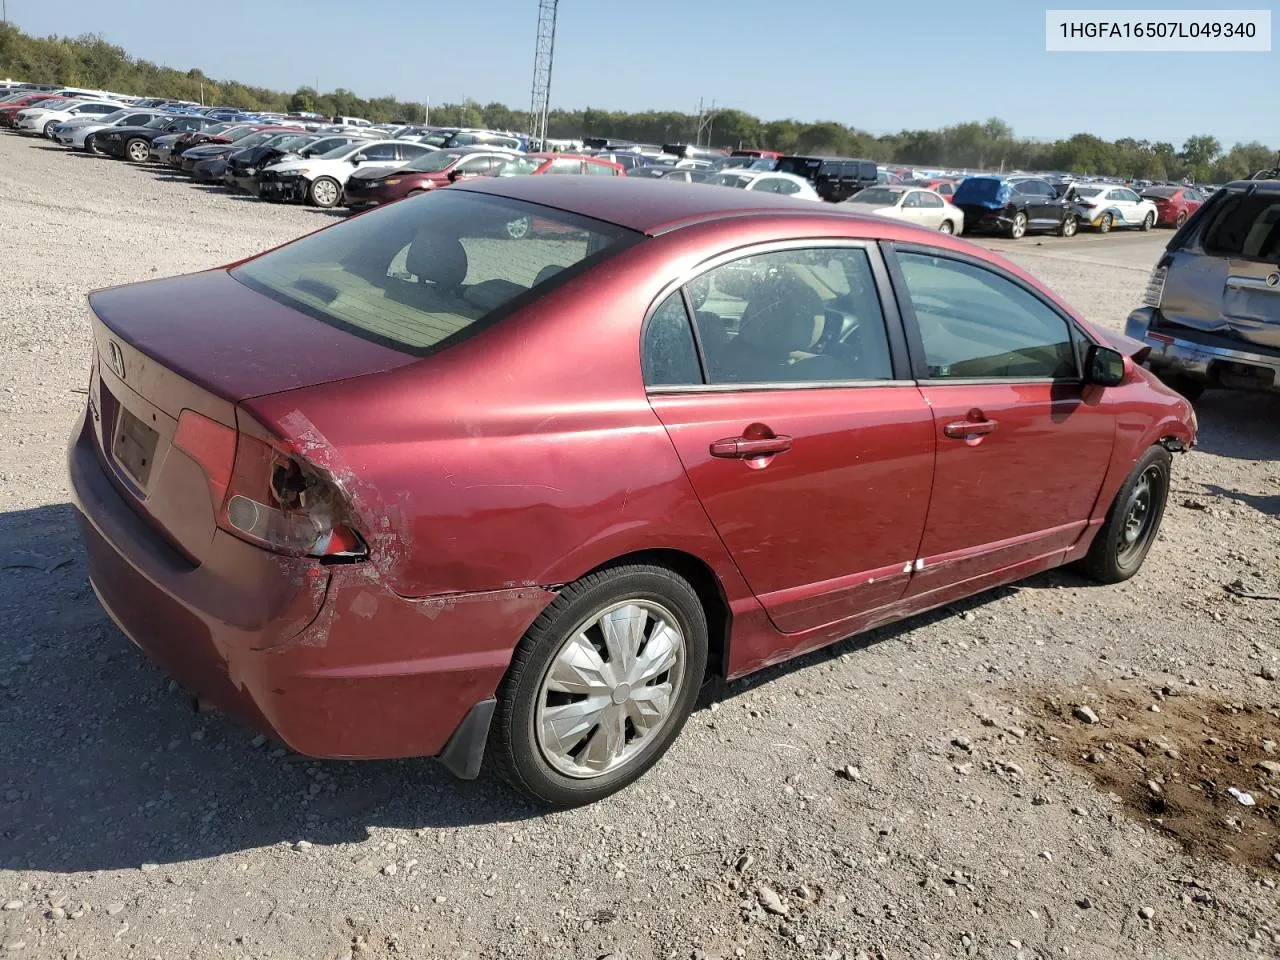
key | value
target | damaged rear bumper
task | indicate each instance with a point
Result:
(325, 658)
(1208, 357)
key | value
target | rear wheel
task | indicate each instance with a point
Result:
(137, 150)
(1148, 221)
(1133, 520)
(48, 128)
(1180, 219)
(91, 145)
(600, 686)
(324, 192)
(946, 227)
(1106, 223)
(1018, 229)
(1068, 226)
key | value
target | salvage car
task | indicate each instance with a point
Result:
(1173, 204)
(9, 111)
(765, 181)
(244, 168)
(373, 186)
(134, 143)
(208, 161)
(834, 178)
(319, 180)
(74, 133)
(924, 208)
(1211, 311)
(1014, 206)
(1107, 208)
(410, 487)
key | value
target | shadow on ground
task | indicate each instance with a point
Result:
(1243, 426)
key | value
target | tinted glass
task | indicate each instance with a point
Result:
(651, 173)
(415, 274)
(564, 167)
(877, 196)
(1246, 227)
(929, 200)
(1162, 192)
(600, 169)
(731, 180)
(786, 187)
(379, 151)
(793, 316)
(975, 324)
(475, 165)
(520, 167)
(412, 151)
(668, 356)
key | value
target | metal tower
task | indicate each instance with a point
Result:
(544, 55)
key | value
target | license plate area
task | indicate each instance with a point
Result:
(134, 447)
(1243, 376)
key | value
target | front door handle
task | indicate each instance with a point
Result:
(964, 429)
(743, 448)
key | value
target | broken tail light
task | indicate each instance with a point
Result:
(1154, 293)
(267, 494)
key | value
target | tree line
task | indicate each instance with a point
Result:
(90, 61)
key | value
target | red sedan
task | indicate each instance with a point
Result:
(412, 486)
(1173, 204)
(375, 186)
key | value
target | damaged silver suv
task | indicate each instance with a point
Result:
(1211, 311)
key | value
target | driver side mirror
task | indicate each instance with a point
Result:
(455, 175)
(356, 161)
(1103, 366)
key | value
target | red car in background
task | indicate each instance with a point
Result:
(9, 111)
(218, 133)
(374, 186)
(410, 486)
(945, 186)
(560, 164)
(1173, 204)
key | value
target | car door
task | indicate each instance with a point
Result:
(803, 437)
(1022, 444)
(931, 209)
(911, 209)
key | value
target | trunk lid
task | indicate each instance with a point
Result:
(202, 343)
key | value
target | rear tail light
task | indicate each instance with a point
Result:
(1152, 296)
(266, 493)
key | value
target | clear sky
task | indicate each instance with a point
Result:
(881, 66)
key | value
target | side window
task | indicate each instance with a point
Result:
(766, 185)
(564, 167)
(381, 151)
(786, 187)
(1246, 226)
(474, 165)
(599, 169)
(668, 356)
(975, 324)
(869, 171)
(946, 189)
(929, 199)
(411, 151)
(912, 200)
(794, 316)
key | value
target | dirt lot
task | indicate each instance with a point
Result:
(921, 792)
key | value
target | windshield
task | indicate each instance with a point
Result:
(155, 123)
(291, 142)
(520, 167)
(434, 162)
(1087, 191)
(435, 139)
(235, 135)
(879, 196)
(217, 128)
(258, 139)
(653, 173)
(415, 275)
(323, 146)
(337, 153)
(731, 180)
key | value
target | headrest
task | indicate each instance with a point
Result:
(782, 317)
(436, 259)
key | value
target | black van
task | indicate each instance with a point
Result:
(835, 178)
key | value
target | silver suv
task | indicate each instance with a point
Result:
(1211, 311)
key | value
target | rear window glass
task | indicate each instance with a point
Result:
(1159, 191)
(802, 166)
(416, 274)
(1246, 226)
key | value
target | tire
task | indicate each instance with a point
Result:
(947, 227)
(1180, 219)
(1068, 226)
(519, 229)
(1106, 223)
(1018, 229)
(91, 145)
(48, 129)
(569, 767)
(139, 151)
(1132, 522)
(1148, 222)
(324, 192)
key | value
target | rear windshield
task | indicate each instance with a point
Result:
(1163, 192)
(880, 196)
(983, 191)
(731, 180)
(416, 274)
(1088, 191)
(1246, 226)
(802, 166)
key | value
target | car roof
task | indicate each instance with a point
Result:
(644, 204)
(1257, 186)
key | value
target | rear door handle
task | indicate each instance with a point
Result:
(963, 429)
(743, 448)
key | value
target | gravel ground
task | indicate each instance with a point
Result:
(895, 796)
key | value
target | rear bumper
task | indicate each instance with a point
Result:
(1206, 357)
(326, 658)
(985, 220)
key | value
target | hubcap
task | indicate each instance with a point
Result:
(1019, 226)
(610, 688)
(137, 151)
(324, 192)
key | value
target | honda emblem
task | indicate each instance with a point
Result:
(1273, 280)
(115, 358)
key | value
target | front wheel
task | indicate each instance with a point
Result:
(1106, 223)
(91, 145)
(946, 227)
(324, 192)
(1068, 226)
(1148, 222)
(1133, 520)
(600, 686)
(48, 129)
(1180, 219)
(137, 150)
(1018, 229)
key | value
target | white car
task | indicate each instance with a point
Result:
(72, 133)
(42, 120)
(924, 208)
(1104, 206)
(320, 180)
(766, 181)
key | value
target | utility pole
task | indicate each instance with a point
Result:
(706, 118)
(543, 59)
(426, 112)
